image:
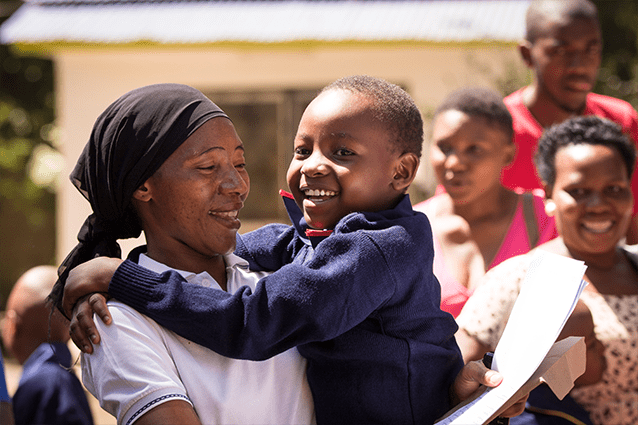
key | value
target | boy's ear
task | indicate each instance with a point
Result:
(143, 193)
(405, 171)
(525, 49)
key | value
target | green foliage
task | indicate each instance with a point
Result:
(619, 26)
(28, 164)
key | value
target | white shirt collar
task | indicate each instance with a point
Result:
(204, 278)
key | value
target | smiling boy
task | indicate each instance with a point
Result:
(352, 286)
(562, 48)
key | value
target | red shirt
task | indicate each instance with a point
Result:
(522, 172)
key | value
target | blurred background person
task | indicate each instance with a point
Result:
(586, 164)
(476, 222)
(48, 391)
(6, 409)
(562, 48)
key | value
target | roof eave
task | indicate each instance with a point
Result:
(54, 46)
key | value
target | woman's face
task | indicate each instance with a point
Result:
(193, 199)
(468, 154)
(592, 197)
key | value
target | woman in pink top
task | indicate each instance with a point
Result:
(476, 222)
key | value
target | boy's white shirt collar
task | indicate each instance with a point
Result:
(203, 278)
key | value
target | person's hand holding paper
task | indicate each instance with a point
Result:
(534, 324)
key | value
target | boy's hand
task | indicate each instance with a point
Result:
(82, 328)
(85, 293)
(472, 376)
(88, 278)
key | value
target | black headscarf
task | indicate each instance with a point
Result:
(130, 140)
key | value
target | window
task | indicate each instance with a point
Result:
(266, 122)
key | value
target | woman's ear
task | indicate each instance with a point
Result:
(143, 193)
(550, 207)
(405, 171)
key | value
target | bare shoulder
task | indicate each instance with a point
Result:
(440, 211)
(435, 206)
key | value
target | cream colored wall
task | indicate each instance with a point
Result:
(87, 81)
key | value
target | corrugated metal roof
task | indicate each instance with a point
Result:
(205, 22)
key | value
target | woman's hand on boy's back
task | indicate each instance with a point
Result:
(85, 293)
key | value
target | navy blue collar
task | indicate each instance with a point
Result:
(308, 235)
(314, 236)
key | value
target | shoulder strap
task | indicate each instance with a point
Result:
(530, 219)
(557, 413)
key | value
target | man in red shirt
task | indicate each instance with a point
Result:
(562, 47)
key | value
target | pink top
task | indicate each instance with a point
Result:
(516, 242)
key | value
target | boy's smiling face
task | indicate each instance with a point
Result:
(343, 160)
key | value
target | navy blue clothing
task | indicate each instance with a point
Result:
(362, 305)
(4, 394)
(48, 393)
(544, 408)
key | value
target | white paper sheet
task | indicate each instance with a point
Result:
(549, 293)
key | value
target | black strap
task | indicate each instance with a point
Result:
(530, 219)
(556, 413)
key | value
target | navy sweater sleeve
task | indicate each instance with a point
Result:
(347, 279)
(268, 248)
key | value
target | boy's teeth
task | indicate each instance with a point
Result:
(317, 192)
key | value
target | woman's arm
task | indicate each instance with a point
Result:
(171, 412)
(132, 369)
(484, 316)
(471, 348)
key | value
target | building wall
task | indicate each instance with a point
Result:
(88, 80)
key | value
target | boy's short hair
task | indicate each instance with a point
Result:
(392, 106)
(479, 102)
(540, 12)
(588, 129)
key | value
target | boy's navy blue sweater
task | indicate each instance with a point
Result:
(362, 305)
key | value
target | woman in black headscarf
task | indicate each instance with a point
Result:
(130, 140)
(165, 160)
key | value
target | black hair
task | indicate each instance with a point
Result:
(392, 106)
(479, 102)
(540, 12)
(590, 130)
